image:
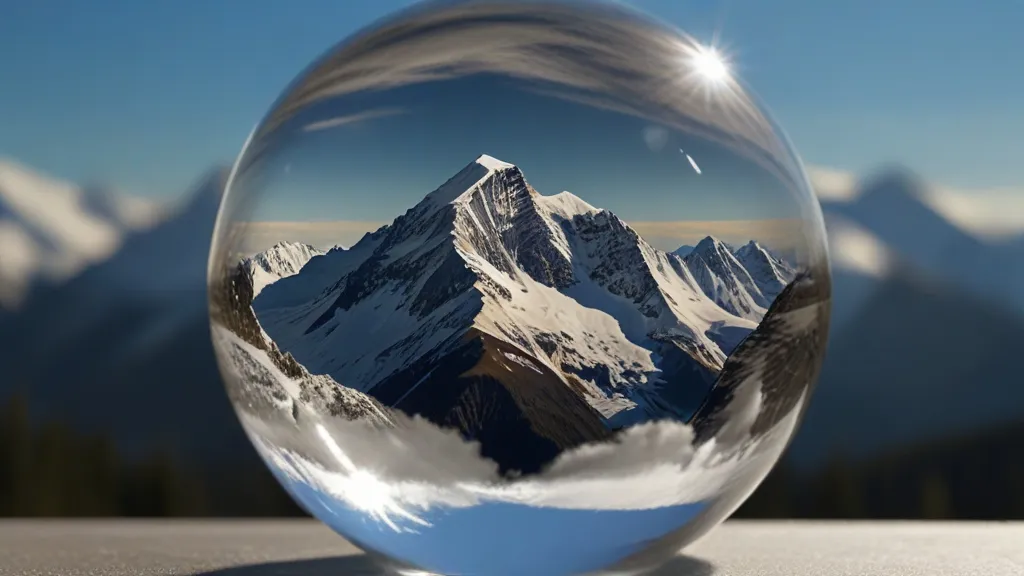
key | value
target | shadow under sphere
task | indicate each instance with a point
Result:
(366, 566)
(519, 288)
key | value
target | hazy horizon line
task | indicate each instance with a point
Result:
(667, 235)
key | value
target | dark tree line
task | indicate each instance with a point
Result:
(48, 469)
(979, 477)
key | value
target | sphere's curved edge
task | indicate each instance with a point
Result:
(289, 455)
(503, 362)
(216, 258)
(625, 35)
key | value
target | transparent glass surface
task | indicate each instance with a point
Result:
(511, 288)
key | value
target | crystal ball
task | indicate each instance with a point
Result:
(508, 288)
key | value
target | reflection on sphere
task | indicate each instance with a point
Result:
(519, 288)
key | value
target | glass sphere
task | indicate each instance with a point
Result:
(514, 288)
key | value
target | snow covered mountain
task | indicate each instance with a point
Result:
(84, 346)
(744, 281)
(723, 279)
(280, 261)
(769, 273)
(900, 217)
(124, 346)
(537, 322)
(318, 274)
(775, 369)
(263, 380)
(910, 279)
(683, 250)
(50, 230)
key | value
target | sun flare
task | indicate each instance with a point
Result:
(710, 65)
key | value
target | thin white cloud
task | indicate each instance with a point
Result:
(397, 474)
(352, 119)
(652, 465)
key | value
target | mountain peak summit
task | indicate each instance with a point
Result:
(708, 243)
(492, 163)
(279, 261)
(494, 286)
(473, 175)
(752, 249)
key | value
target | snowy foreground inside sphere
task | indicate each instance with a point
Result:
(519, 288)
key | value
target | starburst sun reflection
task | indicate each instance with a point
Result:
(710, 65)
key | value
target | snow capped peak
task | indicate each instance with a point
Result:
(561, 288)
(566, 204)
(492, 163)
(753, 250)
(282, 260)
(504, 185)
(710, 244)
(51, 229)
(749, 246)
(129, 212)
(725, 279)
(287, 250)
(683, 250)
(769, 273)
(462, 185)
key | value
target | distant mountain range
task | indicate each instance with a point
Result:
(123, 347)
(563, 323)
(280, 261)
(926, 317)
(683, 250)
(50, 230)
(885, 223)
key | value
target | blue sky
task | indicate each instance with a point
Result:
(147, 95)
(430, 131)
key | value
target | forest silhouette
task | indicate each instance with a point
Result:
(47, 469)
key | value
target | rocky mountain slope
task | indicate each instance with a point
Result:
(537, 322)
(280, 261)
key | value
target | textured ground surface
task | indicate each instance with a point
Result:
(304, 548)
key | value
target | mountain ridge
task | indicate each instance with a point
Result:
(885, 202)
(51, 230)
(279, 261)
(100, 353)
(487, 271)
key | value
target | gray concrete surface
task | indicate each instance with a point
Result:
(305, 548)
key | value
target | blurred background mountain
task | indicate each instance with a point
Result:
(111, 402)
